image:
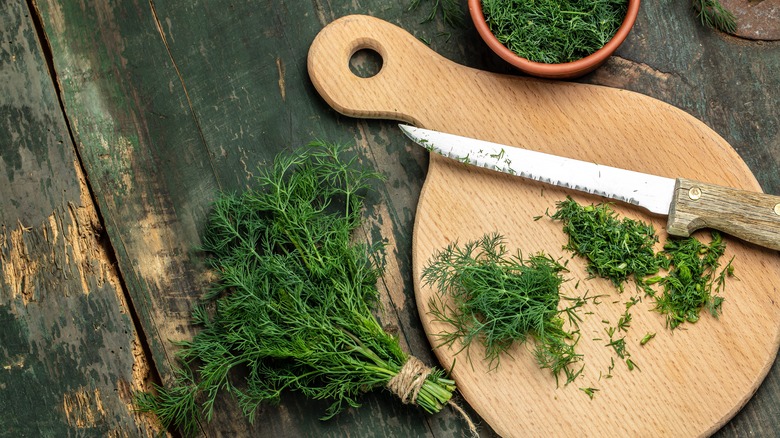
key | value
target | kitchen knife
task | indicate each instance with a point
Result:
(690, 205)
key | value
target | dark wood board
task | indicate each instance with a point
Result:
(70, 356)
(172, 102)
(169, 106)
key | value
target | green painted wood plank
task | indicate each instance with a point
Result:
(70, 357)
(159, 141)
(143, 156)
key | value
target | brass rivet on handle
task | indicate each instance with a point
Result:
(777, 209)
(695, 193)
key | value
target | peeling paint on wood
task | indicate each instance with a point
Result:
(67, 339)
(280, 68)
(17, 266)
(83, 408)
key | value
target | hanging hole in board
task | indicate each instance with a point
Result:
(365, 63)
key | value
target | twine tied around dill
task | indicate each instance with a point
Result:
(410, 379)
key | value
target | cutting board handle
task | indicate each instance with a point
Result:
(407, 64)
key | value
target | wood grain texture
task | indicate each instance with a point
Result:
(70, 356)
(598, 124)
(751, 216)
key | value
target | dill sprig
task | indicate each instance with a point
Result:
(486, 295)
(692, 283)
(712, 14)
(554, 31)
(451, 11)
(292, 308)
(615, 248)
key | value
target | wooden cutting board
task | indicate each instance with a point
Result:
(689, 382)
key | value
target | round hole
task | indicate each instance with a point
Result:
(365, 63)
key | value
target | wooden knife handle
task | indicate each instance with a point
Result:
(751, 216)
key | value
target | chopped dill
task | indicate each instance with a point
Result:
(589, 391)
(611, 367)
(486, 295)
(618, 248)
(619, 344)
(692, 282)
(624, 322)
(615, 248)
(646, 338)
(572, 311)
(292, 306)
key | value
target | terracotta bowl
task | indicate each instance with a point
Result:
(565, 70)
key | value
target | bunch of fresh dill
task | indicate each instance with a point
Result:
(554, 31)
(292, 309)
(692, 277)
(483, 294)
(615, 248)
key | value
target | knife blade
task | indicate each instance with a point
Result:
(690, 205)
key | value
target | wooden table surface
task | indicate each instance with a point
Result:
(123, 120)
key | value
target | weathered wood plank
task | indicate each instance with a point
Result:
(168, 108)
(140, 147)
(70, 355)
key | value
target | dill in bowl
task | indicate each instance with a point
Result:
(554, 31)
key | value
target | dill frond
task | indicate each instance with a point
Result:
(615, 248)
(712, 14)
(484, 294)
(451, 11)
(692, 282)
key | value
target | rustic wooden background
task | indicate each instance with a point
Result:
(123, 120)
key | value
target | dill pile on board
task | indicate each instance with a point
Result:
(292, 308)
(554, 31)
(618, 248)
(692, 282)
(486, 295)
